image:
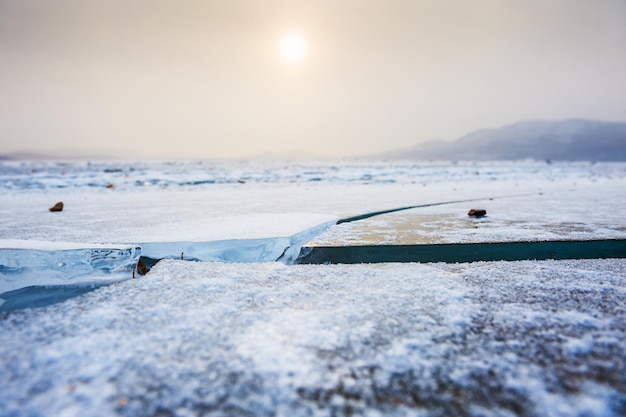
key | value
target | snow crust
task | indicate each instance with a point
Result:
(494, 338)
(531, 338)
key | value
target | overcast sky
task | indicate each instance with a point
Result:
(206, 79)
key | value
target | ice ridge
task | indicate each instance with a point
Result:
(37, 274)
(281, 249)
(31, 264)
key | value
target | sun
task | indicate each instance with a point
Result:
(292, 48)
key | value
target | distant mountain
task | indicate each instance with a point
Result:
(24, 156)
(568, 140)
(56, 156)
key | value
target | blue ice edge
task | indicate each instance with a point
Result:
(37, 274)
(284, 249)
(34, 276)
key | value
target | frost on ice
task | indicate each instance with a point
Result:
(494, 338)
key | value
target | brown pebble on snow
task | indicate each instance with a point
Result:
(477, 213)
(57, 207)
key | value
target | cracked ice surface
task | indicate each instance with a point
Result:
(180, 204)
(529, 338)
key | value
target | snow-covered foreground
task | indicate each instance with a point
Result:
(264, 338)
(504, 338)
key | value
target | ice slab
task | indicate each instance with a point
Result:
(564, 224)
(283, 249)
(562, 215)
(38, 263)
(244, 250)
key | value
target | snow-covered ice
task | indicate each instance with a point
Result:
(529, 338)
(577, 213)
(499, 338)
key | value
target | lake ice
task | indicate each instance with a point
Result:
(265, 338)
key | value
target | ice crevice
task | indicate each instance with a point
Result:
(37, 274)
(283, 249)
(40, 273)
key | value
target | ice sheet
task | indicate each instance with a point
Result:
(194, 338)
(275, 200)
(585, 211)
(30, 263)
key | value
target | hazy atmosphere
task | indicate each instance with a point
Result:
(233, 78)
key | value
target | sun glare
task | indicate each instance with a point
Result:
(292, 48)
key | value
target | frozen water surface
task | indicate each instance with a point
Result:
(530, 338)
(577, 213)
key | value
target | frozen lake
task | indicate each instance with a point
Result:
(243, 337)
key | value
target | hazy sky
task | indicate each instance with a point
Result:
(206, 79)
